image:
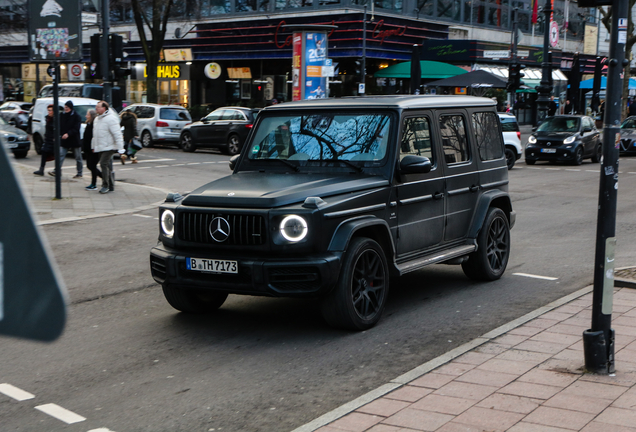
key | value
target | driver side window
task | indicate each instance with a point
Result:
(416, 138)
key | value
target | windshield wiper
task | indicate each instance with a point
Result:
(289, 164)
(346, 162)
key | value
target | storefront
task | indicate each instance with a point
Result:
(173, 84)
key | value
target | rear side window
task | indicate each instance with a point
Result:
(509, 124)
(487, 136)
(174, 114)
(454, 141)
(416, 138)
(145, 112)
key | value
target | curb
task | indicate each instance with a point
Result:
(417, 372)
(623, 282)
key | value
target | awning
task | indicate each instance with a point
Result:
(589, 84)
(532, 76)
(430, 70)
(474, 79)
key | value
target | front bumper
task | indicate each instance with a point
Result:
(560, 155)
(18, 145)
(308, 276)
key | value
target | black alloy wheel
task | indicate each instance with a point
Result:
(489, 261)
(358, 300)
(233, 145)
(578, 156)
(187, 144)
(191, 301)
(511, 157)
(598, 155)
(146, 139)
(20, 154)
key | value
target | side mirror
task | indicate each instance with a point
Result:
(534, 129)
(412, 164)
(587, 129)
(233, 160)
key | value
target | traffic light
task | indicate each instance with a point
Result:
(116, 48)
(95, 53)
(514, 76)
(358, 67)
(120, 73)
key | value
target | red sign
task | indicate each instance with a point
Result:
(76, 70)
(378, 33)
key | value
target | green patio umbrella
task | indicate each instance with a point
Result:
(430, 70)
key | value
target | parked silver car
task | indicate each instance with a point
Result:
(158, 124)
(16, 113)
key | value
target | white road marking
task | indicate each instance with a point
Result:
(194, 163)
(629, 172)
(144, 167)
(554, 169)
(178, 165)
(209, 162)
(161, 166)
(570, 169)
(15, 393)
(140, 215)
(62, 414)
(101, 430)
(594, 171)
(155, 160)
(535, 276)
(537, 168)
(125, 169)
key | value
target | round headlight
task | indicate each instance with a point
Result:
(532, 139)
(167, 223)
(293, 228)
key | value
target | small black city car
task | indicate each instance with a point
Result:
(567, 138)
(628, 136)
(225, 128)
(331, 197)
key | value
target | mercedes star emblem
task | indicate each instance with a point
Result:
(549, 144)
(219, 229)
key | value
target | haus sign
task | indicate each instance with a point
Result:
(168, 71)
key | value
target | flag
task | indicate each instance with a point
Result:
(535, 11)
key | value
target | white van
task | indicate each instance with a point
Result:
(38, 123)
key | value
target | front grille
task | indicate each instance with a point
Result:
(553, 143)
(158, 267)
(245, 230)
(12, 138)
(288, 279)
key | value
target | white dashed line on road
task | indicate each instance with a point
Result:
(575, 170)
(125, 169)
(553, 169)
(15, 393)
(161, 166)
(141, 215)
(178, 165)
(62, 414)
(144, 167)
(594, 171)
(535, 276)
(194, 163)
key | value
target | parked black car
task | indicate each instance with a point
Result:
(225, 128)
(565, 139)
(331, 197)
(628, 136)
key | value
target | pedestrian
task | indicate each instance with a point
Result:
(568, 108)
(632, 107)
(552, 107)
(48, 146)
(601, 109)
(129, 123)
(107, 140)
(92, 158)
(70, 124)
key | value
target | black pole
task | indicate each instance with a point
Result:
(598, 342)
(363, 68)
(104, 52)
(512, 91)
(545, 86)
(56, 131)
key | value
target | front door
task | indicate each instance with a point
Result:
(462, 177)
(419, 197)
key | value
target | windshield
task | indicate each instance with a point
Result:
(560, 124)
(322, 137)
(630, 123)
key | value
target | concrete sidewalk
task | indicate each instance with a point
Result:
(526, 376)
(77, 203)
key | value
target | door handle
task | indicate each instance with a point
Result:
(474, 188)
(438, 195)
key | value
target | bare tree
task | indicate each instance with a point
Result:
(152, 15)
(606, 13)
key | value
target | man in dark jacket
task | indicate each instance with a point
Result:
(70, 124)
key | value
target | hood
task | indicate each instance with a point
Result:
(265, 190)
(554, 135)
(12, 130)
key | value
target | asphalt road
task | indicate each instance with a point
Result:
(129, 362)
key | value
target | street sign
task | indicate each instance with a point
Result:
(32, 294)
(89, 18)
(361, 88)
(51, 71)
(554, 34)
(55, 31)
(76, 72)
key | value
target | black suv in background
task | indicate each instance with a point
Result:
(331, 197)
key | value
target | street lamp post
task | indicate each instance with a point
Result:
(545, 86)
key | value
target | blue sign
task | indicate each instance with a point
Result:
(315, 59)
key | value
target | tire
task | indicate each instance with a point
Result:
(598, 155)
(20, 154)
(489, 261)
(146, 139)
(578, 156)
(358, 300)
(233, 145)
(511, 157)
(530, 162)
(195, 302)
(37, 144)
(187, 144)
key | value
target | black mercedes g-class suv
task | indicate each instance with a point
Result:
(330, 198)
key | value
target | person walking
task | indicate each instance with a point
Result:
(107, 140)
(70, 124)
(48, 147)
(129, 122)
(92, 158)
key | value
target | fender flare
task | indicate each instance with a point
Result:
(484, 203)
(345, 231)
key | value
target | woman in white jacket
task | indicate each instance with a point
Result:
(107, 140)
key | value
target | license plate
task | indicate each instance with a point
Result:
(175, 130)
(211, 265)
(12, 145)
(545, 150)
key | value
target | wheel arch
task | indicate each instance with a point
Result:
(489, 199)
(365, 226)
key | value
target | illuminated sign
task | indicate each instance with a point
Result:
(170, 71)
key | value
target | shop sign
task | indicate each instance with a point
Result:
(171, 71)
(379, 33)
(239, 73)
(164, 72)
(177, 54)
(497, 54)
(55, 31)
(75, 72)
(315, 57)
(297, 63)
(212, 70)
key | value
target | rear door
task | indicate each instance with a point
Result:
(462, 177)
(176, 118)
(493, 170)
(590, 135)
(145, 119)
(203, 131)
(419, 197)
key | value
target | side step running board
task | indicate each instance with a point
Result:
(418, 263)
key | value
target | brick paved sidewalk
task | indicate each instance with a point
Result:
(524, 377)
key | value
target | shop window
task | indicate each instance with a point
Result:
(293, 4)
(246, 89)
(454, 140)
(214, 7)
(252, 5)
(487, 135)
(394, 5)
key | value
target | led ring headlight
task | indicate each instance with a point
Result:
(293, 228)
(167, 223)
